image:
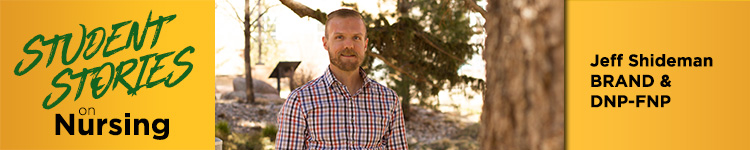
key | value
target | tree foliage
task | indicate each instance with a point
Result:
(422, 52)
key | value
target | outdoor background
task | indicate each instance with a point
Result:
(431, 52)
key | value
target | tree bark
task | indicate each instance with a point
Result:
(250, 95)
(524, 102)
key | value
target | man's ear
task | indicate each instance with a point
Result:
(325, 45)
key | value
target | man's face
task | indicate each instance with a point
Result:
(346, 42)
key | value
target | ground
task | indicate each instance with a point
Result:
(249, 127)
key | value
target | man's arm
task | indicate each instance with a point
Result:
(292, 126)
(395, 138)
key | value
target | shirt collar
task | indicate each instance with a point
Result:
(330, 79)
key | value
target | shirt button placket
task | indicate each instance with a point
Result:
(352, 122)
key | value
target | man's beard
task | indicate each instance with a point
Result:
(346, 66)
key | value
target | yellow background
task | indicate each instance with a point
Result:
(188, 105)
(709, 108)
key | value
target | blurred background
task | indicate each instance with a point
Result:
(428, 51)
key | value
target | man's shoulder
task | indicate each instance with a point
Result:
(381, 89)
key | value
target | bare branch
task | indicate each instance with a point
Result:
(261, 15)
(301, 10)
(473, 6)
(239, 19)
(234, 11)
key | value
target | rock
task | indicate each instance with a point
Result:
(264, 92)
(258, 86)
(268, 98)
(238, 84)
(234, 95)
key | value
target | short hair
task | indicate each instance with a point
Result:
(343, 13)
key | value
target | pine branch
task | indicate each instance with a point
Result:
(398, 69)
(438, 48)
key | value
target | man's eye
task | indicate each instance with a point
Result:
(356, 38)
(339, 37)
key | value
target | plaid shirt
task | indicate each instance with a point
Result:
(323, 115)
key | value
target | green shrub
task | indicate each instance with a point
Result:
(270, 132)
(223, 130)
(249, 141)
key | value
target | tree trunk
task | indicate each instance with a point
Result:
(524, 102)
(260, 33)
(403, 90)
(250, 95)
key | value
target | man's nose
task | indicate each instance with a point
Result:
(349, 43)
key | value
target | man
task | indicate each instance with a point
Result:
(343, 109)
